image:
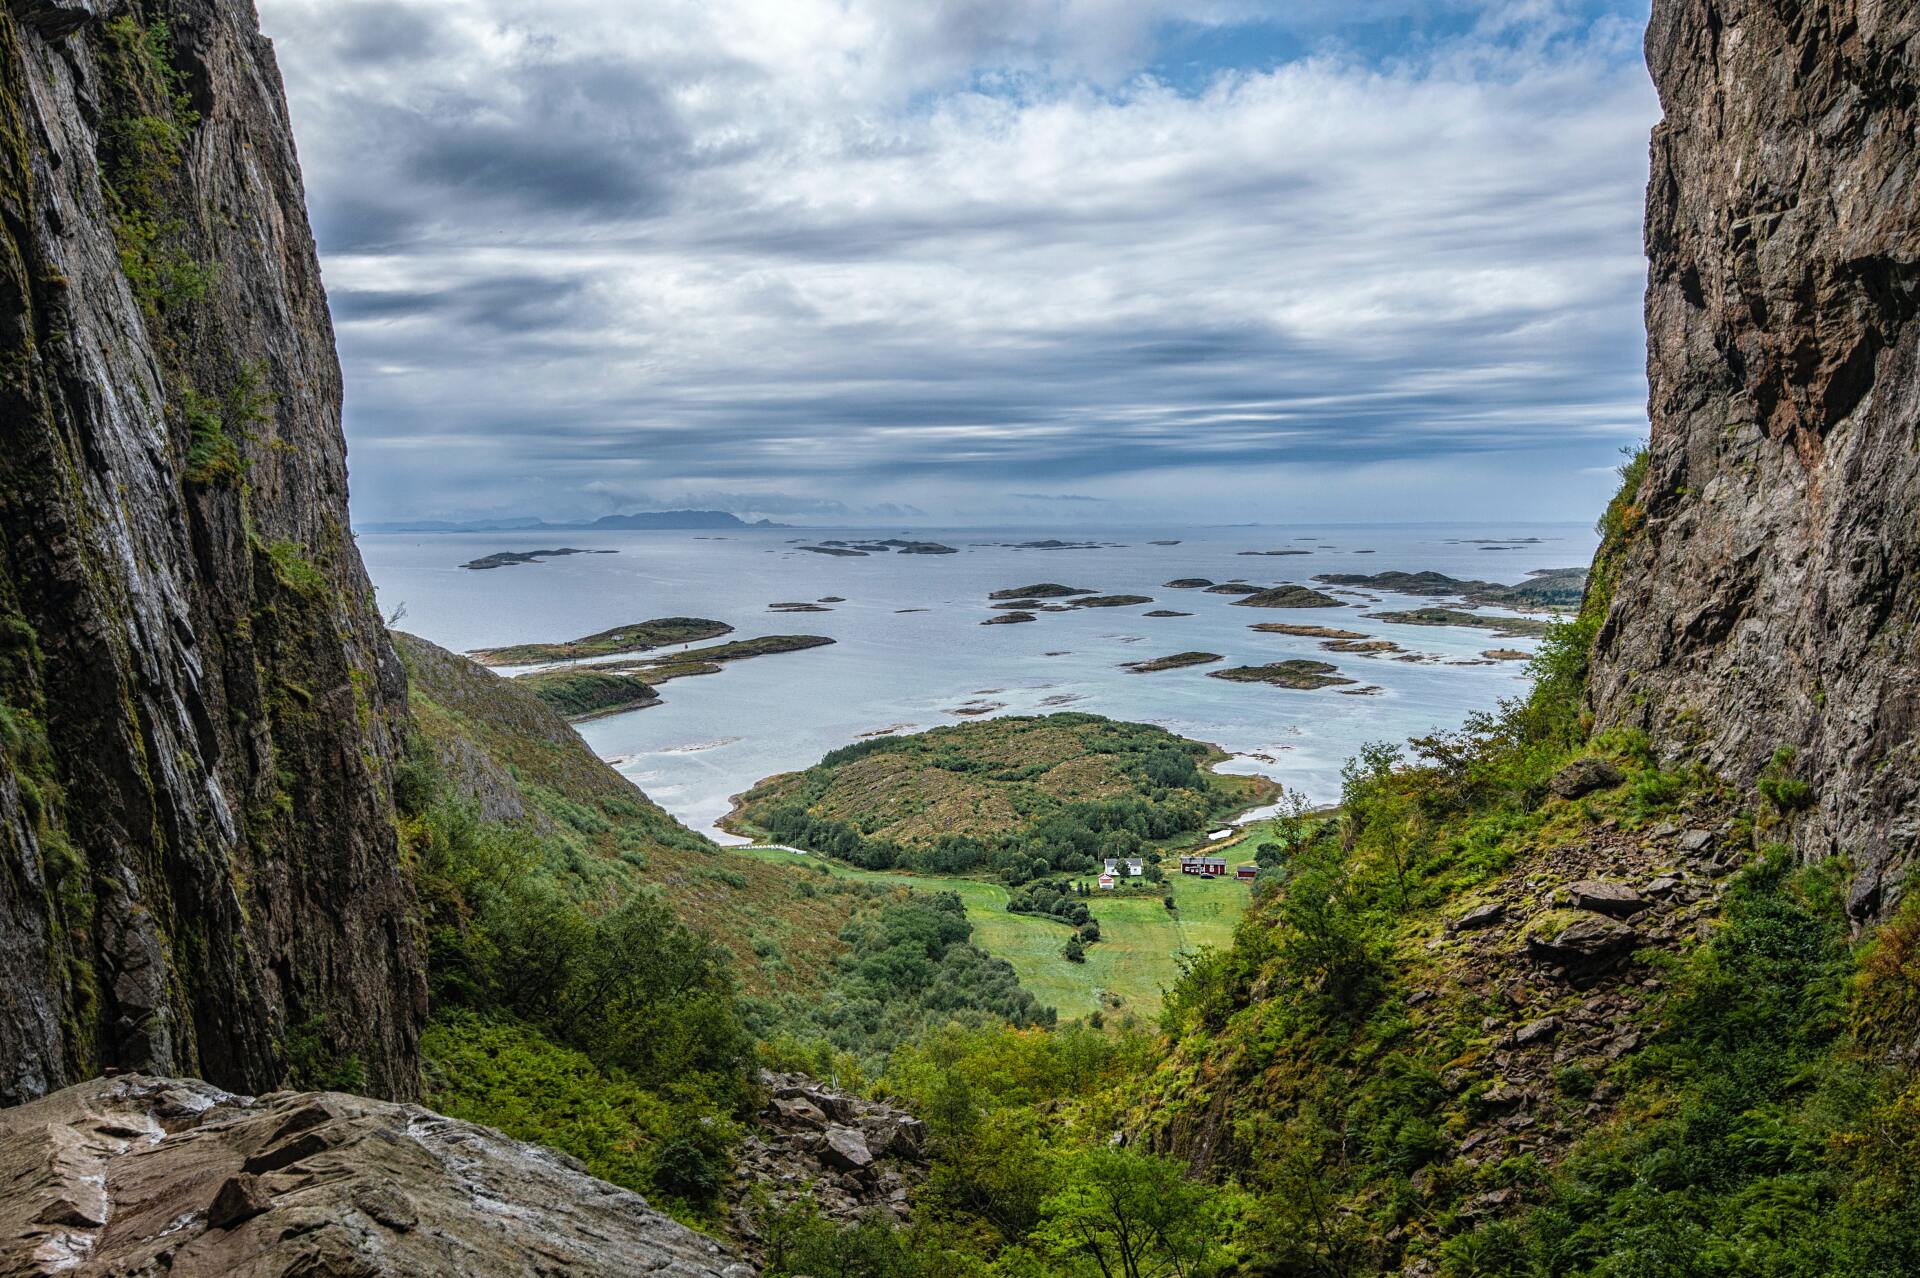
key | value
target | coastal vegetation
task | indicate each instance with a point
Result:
(586, 693)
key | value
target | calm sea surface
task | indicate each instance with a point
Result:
(911, 650)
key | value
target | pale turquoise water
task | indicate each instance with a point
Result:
(716, 735)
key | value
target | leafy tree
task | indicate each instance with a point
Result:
(1126, 1215)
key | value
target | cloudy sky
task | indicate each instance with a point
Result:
(979, 260)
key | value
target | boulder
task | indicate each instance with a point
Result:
(1584, 777)
(1541, 1031)
(846, 1149)
(1481, 916)
(1695, 842)
(1615, 899)
(1503, 1096)
(1587, 944)
(796, 1111)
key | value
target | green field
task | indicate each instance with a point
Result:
(1140, 939)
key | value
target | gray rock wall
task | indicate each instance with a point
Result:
(1772, 593)
(199, 708)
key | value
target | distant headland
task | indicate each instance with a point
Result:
(645, 519)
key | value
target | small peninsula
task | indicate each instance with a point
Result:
(1178, 661)
(635, 636)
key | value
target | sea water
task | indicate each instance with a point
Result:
(910, 650)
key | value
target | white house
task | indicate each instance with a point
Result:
(1106, 881)
(1136, 867)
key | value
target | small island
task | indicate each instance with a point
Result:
(507, 558)
(1009, 619)
(1300, 674)
(1187, 583)
(1178, 661)
(1503, 627)
(1305, 632)
(1234, 588)
(1040, 590)
(1364, 647)
(1289, 596)
(1112, 601)
(1165, 612)
(1543, 588)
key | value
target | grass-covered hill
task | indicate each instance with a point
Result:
(1012, 796)
(599, 839)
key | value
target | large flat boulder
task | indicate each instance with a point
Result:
(1617, 900)
(1587, 944)
(144, 1175)
(1585, 776)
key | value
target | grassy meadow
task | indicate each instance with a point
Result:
(1135, 959)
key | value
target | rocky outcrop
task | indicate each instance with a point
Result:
(147, 1175)
(199, 707)
(844, 1154)
(1770, 595)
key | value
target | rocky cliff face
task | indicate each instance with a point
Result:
(1772, 592)
(199, 707)
(152, 1175)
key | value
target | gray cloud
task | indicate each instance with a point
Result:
(783, 252)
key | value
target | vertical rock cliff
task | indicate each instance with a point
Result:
(1772, 591)
(199, 707)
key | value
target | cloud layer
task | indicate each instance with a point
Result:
(978, 259)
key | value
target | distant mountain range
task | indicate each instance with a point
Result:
(669, 519)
